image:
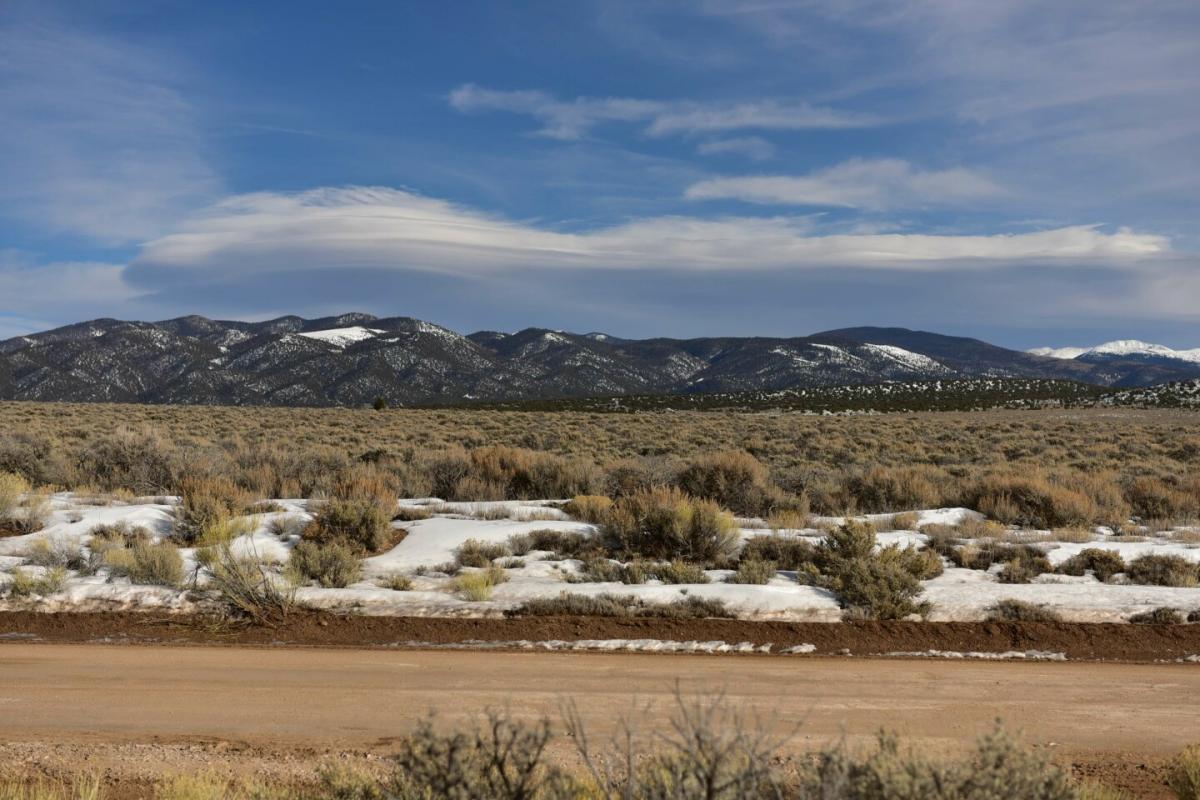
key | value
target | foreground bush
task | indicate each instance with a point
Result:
(667, 524)
(1030, 500)
(333, 565)
(474, 553)
(478, 586)
(786, 552)
(734, 480)
(589, 508)
(1158, 616)
(360, 524)
(12, 488)
(248, 586)
(206, 507)
(1184, 777)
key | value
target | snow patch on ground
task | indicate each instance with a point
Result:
(1008, 655)
(341, 337)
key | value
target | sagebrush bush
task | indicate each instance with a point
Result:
(1162, 570)
(870, 584)
(1158, 616)
(58, 551)
(24, 584)
(563, 544)
(607, 605)
(332, 564)
(882, 489)
(474, 553)
(205, 505)
(1153, 498)
(733, 479)
(358, 522)
(142, 461)
(1011, 610)
(589, 508)
(598, 569)
(1030, 499)
(1104, 563)
(668, 524)
(787, 552)
(677, 572)
(248, 585)
(752, 571)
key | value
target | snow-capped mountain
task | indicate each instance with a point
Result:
(1121, 348)
(354, 358)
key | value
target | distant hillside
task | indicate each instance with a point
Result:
(354, 358)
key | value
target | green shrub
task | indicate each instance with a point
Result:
(753, 572)
(146, 562)
(1019, 611)
(1159, 616)
(1104, 563)
(869, 584)
(474, 553)
(1162, 570)
(667, 524)
(331, 564)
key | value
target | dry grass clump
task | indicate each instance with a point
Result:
(608, 605)
(22, 583)
(1103, 563)
(146, 562)
(1163, 570)
(411, 514)
(677, 572)
(1075, 535)
(735, 480)
(22, 510)
(498, 472)
(788, 520)
(1157, 499)
(333, 564)
(562, 544)
(906, 521)
(58, 551)
(397, 582)
(248, 585)
(1011, 610)
(1184, 776)
(478, 585)
(665, 523)
(85, 786)
(590, 508)
(598, 569)
(474, 553)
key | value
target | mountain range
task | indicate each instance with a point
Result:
(354, 358)
(1121, 350)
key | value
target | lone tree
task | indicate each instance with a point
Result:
(380, 404)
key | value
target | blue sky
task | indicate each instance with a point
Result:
(1024, 172)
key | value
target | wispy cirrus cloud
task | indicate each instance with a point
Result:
(755, 148)
(871, 184)
(98, 142)
(572, 119)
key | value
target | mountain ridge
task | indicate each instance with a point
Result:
(353, 358)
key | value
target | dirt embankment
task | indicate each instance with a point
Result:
(1078, 641)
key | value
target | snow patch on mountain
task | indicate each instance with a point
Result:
(341, 337)
(906, 358)
(1120, 347)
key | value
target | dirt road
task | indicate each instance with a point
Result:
(141, 710)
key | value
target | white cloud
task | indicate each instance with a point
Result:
(381, 228)
(752, 147)
(571, 119)
(867, 184)
(96, 141)
(78, 289)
